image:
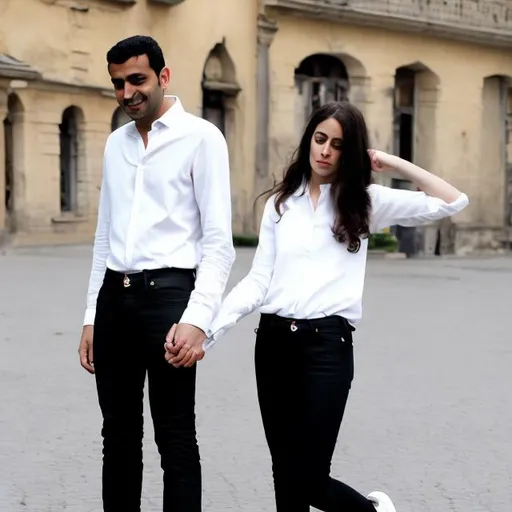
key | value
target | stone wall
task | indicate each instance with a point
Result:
(69, 49)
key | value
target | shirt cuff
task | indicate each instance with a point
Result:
(90, 314)
(198, 316)
(211, 340)
(219, 328)
(460, 203)
(208, 344)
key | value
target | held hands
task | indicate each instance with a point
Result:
(382, 162)
(184, 345)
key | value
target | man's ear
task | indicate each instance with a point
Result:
(165, 77)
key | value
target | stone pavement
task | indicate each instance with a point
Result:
(429, 419)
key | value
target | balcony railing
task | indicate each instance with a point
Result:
(487, 21)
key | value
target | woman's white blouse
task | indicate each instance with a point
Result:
(300, 271)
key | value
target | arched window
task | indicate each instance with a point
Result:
(219, 88)
(70, 150)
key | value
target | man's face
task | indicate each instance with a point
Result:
(138, 90)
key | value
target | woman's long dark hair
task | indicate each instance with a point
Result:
(349, 187)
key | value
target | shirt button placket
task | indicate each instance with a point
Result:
(132, 226)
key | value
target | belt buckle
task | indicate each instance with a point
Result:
(126, 281)
(293, 327)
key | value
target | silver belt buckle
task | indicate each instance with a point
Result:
(293, 327)
(126, 281)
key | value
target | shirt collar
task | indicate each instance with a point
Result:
(165, 120)
(301, 189)
(172, 113)
(304, 189)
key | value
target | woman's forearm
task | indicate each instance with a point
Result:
(426, 181)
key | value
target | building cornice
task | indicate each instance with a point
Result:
(16, 69)
(71, 88)
(491, 24)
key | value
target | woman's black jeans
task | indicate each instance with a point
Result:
(304, 370)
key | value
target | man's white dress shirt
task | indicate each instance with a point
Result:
(166, 205)
(300, 271)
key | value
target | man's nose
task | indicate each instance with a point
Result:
(129, 91)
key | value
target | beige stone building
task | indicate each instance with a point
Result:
(431, 76)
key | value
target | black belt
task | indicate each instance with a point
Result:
(156, 278)
(315, 324)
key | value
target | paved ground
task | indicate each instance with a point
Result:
(429, 418)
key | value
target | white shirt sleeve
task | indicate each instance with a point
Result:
(101, 250)
(210, 174)
(392, 207)
(251, 291)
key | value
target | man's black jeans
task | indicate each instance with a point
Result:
(304, 371)
(129, 335)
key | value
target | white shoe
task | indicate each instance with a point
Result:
(382, 502)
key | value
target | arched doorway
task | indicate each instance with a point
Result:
(494, 199)
(404, 116)
(13, 144)
(414, 110)
(320, 78)
(71, 156)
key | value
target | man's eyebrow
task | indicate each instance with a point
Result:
(127, 78)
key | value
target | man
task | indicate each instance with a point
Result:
(163, 251)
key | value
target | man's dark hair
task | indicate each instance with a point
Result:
(135, 46)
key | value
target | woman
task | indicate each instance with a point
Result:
(307, 281)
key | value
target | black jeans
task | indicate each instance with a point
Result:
(304, 370)
(129, 335)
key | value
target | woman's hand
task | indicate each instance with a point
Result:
(381, 161)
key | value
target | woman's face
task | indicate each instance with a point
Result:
(325, 150)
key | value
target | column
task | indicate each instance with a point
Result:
(3, 115)
(379, 115)
(266, 32)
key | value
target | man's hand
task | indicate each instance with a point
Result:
(184, 345)
(85, 348)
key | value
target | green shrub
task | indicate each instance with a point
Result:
(245, 240)
(383, 242)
